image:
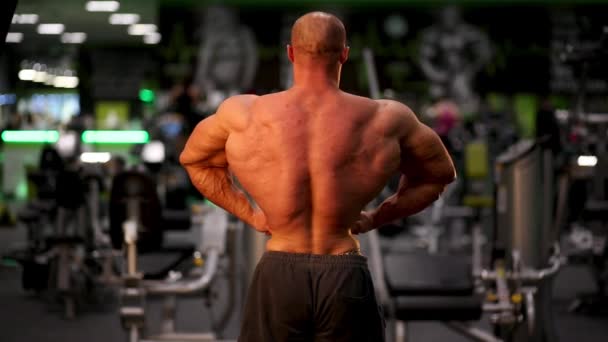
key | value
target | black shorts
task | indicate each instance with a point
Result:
(305, 297)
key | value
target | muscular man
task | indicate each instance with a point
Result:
(311, 158)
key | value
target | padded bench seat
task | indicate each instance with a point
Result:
(432, 287)
(439, 308)
(428, 275)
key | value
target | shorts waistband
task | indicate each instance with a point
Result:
(327, 259)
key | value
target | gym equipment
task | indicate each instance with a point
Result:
(589, 235)
(596, 214)
(67, 249)
(526, 237)
(514, 291)
(589, 58)
(136, 191)
(68, 258)
(41, 208)
(136, 290)
(37, 216)
(138, 222)
(80, 260)
(142, 189)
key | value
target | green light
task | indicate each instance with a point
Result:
(146, 95)
(30, 136)
(115, 137)
(21, 191)
(7, 262)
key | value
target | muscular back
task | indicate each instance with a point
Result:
(312, 162)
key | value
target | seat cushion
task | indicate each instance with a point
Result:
(430, 275)
(439, 308)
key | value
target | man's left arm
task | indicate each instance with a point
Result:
(204, 158)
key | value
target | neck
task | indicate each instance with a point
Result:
(316, 76)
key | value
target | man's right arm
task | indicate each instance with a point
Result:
(426, 169)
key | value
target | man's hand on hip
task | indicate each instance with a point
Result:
(364, 224)
(259, 222)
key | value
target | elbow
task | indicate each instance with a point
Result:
(452, 175)
(449, 174)
(447, 177)
(183, 159)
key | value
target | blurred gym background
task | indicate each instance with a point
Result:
(97, 99)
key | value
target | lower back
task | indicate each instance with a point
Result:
(311, 240)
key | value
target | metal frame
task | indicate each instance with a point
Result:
(214, 235)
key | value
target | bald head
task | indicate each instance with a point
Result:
(318, 34)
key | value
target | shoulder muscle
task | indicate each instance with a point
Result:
(233, 113)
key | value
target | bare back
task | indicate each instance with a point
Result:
(312, 162)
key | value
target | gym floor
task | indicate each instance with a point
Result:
(25, 318)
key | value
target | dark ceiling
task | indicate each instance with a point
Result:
(73, 15)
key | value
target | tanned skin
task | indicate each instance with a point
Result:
(312, 157)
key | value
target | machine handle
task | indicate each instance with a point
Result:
(527, 275)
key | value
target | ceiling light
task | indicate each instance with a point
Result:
(124, 18)
(141, 29)
(25, 19)
(40, 77)
(50, 79)
(587, 161)
(152, 38)
(14, 37)
(27, 74)
(66, 145)
(73, 37)
(153, 152)
(102, 6)
(65, 81)
(51, 28)
(95, 157)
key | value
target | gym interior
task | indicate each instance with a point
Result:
(104, 238)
